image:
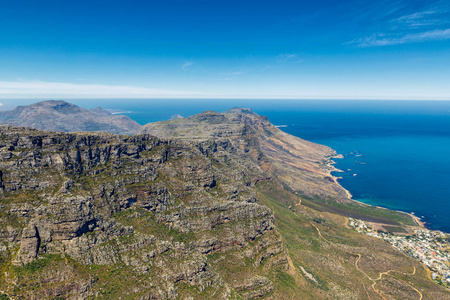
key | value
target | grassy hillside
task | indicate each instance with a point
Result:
(331, 261)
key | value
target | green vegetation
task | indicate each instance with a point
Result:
(145, 222)
(286, 280)
(394, 229)
(359, 211)
(113, 281)
(38, 265)
(3, 297)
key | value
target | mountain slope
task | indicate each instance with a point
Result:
(97, 215)
(62, 116)
(302, 165)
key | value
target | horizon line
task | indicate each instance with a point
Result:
(232, 98)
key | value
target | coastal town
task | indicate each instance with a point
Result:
(430, 247)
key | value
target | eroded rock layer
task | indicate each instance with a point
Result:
(155, 208)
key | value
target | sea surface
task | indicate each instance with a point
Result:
(396, 153)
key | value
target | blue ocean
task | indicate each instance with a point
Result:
(396, 153)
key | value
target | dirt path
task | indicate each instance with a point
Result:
(380, 275)
(368, 296)
(320, 234)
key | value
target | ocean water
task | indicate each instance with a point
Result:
(396, 153)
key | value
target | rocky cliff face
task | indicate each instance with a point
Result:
(154, 209)
(63, 116)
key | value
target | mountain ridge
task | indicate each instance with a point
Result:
(58, 115)
(287, 153)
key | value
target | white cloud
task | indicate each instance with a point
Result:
(42, 89)
(421, 26)
(232, 74)
(287, 55)
(288, 58)
(235, 73)
(382, 40)
(421, 19)
(415, 16)
(186, 65)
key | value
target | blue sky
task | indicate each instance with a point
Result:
(225, 49)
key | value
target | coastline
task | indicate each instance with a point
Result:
(349, 195)
(415, 218)
(331, 163)
(419, 222)
(332, 169)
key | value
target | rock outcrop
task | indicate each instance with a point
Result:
(153, 207)
(29, 245)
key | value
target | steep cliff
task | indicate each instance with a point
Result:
(155, 210)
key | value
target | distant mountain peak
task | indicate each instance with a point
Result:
(52, 103)
(59, 115)
(176, 117)
(47, 102)
(241, 110)
(101, 111)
